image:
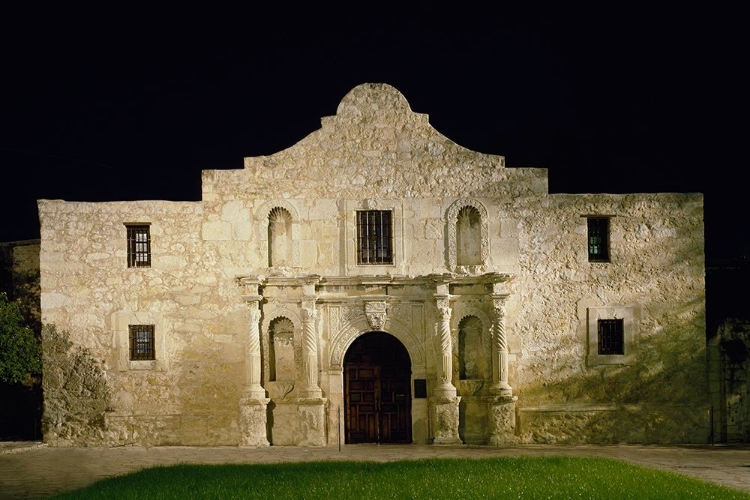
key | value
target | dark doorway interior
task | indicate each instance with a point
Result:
(377, 386)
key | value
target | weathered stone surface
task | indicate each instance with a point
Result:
(525, 283)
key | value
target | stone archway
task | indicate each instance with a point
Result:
(377, 390)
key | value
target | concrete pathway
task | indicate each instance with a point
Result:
(33, 470)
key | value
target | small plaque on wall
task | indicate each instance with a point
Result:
(420, 388)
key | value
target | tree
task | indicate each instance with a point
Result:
(20, 350)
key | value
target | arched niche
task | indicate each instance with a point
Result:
(278, 230)
(468, 236)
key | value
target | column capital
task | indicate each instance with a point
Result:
(250, 286)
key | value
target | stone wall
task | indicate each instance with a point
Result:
(376, 154)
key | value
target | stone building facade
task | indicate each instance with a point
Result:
(376, 282)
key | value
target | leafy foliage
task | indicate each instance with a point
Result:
(20, 350)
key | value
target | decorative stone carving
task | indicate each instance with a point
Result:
(376, 314)
(312, 423)
(341, 340)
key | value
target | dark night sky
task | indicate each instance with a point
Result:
(127, 105)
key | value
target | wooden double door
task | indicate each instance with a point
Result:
(377, 386)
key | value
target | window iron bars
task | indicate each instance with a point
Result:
(598, 235)
(142, 342)
(611, 336)
(139, 246)
(374, 237)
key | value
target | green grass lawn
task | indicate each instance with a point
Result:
(518, 477)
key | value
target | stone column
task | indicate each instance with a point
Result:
(445, 386)
(502, 403)
(310, 387)
(253, 404)
(311, 406)
(500, 384)
(444, 402)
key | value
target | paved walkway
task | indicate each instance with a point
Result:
(33, 470)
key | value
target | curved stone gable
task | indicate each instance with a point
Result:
(375, 146)
(373, 102)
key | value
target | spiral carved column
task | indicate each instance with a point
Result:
(311, 406)
(444, 411)
(445, 366)
(253, 404)
(502, 407)
(309, 351)
(500, 344)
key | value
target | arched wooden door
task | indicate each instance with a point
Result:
(377, 387)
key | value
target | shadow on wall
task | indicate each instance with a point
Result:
(76, 395)
(660, 396)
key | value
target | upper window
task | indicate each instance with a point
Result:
(598, 230)
(139, 245)
(611, 336)
(374, 237)
(142, 342)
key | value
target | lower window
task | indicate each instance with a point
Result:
(142, 343)
(611, 334)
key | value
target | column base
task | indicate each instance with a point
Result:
(502, 420)
(444, 419)
(312, 421)
(253, 422)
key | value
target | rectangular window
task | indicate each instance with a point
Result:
(611, 336)
(374, 237)
(139, 245)
(142, 342)
(598, 230)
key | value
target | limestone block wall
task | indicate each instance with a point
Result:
(376, 154)
(656, 279)
(190, 392)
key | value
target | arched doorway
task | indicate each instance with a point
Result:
(377, 390)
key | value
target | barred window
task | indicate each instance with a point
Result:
(598, 230)
(374, 237)
(142, 342)
(139, 245)
(611, 336)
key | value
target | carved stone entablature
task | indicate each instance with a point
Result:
(375, 310)
(452, 219)
(250, 288)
